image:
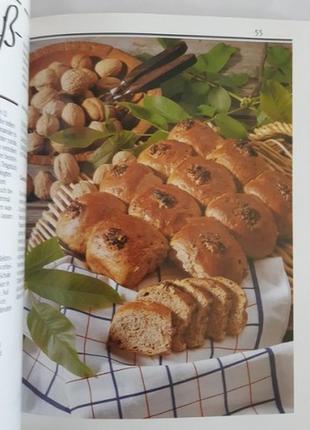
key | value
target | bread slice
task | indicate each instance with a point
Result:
(220, 308)
(195, 333)
(180, 303)
(238, 316)
(142, 327)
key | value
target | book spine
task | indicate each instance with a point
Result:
(14, 52)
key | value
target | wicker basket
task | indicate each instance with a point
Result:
(271, 141)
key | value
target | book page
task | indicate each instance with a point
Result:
(14, 44)
(162, 178)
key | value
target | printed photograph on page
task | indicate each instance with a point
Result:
(159, 269)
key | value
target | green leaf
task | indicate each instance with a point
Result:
(220, 99)
(261, 117)
(167, 42)
(53, 333)
(43, 254)
(214, 60)
(278, 55)
(276, 101)
(206, 110)
(145, 114)
(157, 136)
(230, 127)
(168, 109)
(122, 140)
(234, 80)
(174, 87)
(78, 137)
(72, 289)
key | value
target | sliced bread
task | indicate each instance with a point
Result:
(142, 327)
(238, 316)
(221, 303)
(179, 302)
(195, 333)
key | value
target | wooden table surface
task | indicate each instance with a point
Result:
(249, 59)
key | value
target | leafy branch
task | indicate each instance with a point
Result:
(51, 330)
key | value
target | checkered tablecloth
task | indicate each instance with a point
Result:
(240, 375)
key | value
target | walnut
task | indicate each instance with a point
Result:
(73, 115)
(75, 81)
(100, 173)
(249, 215)
(33, 116)
(35, 144)
(41, 98)
(83, 187)
(97, 125)
(92, 76)
(246, 148)
(30, 186)
(58, 68)
(47, 125)
(115, 238)
(54, 107)
(54, 189)
(88, 94)
(42, 184)
(94, 108)
(212, 242)
(165, 200)
(80, 61)
(108, 67)
(44, 78)
(119, 169)
(199, 174)
(66, 168)
(123, 157)
(108, 83)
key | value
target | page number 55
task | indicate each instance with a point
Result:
(259, 32)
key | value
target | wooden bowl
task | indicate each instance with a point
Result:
(63, 52)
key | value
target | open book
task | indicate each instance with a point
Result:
(148, 163)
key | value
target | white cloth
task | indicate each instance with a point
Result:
(218, 378)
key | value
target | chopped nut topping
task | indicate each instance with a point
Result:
(199, 174)
(165, 200)
(246, 148)
(187, 124)
(119, 169)
(75, 208)
(159, 149)
(212, 242)
(249, 215)
(284, 191)
(116, 238)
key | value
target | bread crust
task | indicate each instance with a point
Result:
(238, 316)
(275, 190)
(76, 222)
(205, 248)
(125, 248)
(248, 219)
(179, 302)
(203, 179)
(196, 134)
(240, 158)
(166, 207)
(165, 156)
(220, 308)
(125, 180)
(142, 327)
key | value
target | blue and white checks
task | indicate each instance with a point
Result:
(237, 376)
